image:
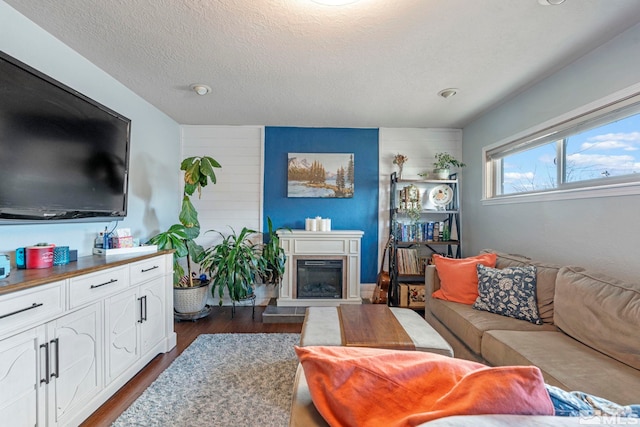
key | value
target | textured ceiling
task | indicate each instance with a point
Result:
(374, 63)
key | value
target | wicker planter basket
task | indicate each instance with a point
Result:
(190, 300)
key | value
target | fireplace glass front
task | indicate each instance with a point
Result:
(319, 278)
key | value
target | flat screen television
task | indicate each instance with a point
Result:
(63, 156)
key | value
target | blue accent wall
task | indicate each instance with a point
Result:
(357, 213)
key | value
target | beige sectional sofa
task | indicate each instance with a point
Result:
(589, 340)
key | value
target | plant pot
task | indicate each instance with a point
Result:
(441, 173)
(191, 300)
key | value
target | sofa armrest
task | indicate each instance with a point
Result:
(431, 280)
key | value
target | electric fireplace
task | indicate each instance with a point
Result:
(322, 268)
(319, 278)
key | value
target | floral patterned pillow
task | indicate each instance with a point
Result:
(510, 292)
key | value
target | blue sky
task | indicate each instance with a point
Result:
(609, 150)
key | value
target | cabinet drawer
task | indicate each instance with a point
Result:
(31, 306)
(92, 287)
(142, 271)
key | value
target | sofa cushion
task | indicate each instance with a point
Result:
(509, 292)
(545, 280)
(565, 363)
(355, 386)
(599, 311)
(458, 277)
(469, 324)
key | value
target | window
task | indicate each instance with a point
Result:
(592, 149)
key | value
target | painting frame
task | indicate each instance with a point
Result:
(321, 175)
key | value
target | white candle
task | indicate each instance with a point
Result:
(308, 223)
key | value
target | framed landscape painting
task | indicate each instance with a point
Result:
(320, 175)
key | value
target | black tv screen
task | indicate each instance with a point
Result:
(63, 156)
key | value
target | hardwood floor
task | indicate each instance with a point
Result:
(219, 321)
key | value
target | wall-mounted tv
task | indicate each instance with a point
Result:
(63, 156)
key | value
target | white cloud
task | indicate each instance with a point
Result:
(627, 141)
(517, 176)
(619, 163)
(622, 136)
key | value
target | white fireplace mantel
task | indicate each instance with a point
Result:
(343, 244)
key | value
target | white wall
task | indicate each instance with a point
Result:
(236, 198)
(599, 233)
(420, 146)
(154, 192)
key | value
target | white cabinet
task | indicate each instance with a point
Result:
(48, 372)
(67, 345)
(95, 286)
(75, 359)
(31, 307)
(122, 349)
(135, 322)
(154, 307)
(21, 394)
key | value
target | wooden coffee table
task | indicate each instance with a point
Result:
(371, 325)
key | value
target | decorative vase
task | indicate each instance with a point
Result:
(441, 173)
(192, 299)
(400, 171)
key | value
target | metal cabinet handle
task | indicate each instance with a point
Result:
(57, 371)
(105, 283)
(144, 318)
(34, 305)
(141, 318)
(46, 363)
(144, 270)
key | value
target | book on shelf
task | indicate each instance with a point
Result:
(408, 261)
(432, 231)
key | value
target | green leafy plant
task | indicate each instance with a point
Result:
(414, 214)
(446, 161)
(273, 256)
(233, 264)
(198, 172)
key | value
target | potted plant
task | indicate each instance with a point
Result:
(189, 292)
(443, 164)
(273, 256)
(233, 264)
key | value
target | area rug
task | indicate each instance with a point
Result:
(222, 380)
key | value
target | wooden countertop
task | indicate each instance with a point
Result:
(24, 279)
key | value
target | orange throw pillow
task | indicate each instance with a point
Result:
(357, 386)
(459, 278)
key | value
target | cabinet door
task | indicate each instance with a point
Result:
(21, 393)
(122, 316)
(153, 313)
(75, 347)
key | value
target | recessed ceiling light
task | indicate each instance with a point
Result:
(550, 2)
(448, 93)
(334, 2)
(200, 89)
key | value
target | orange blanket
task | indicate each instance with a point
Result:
(353, 386)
